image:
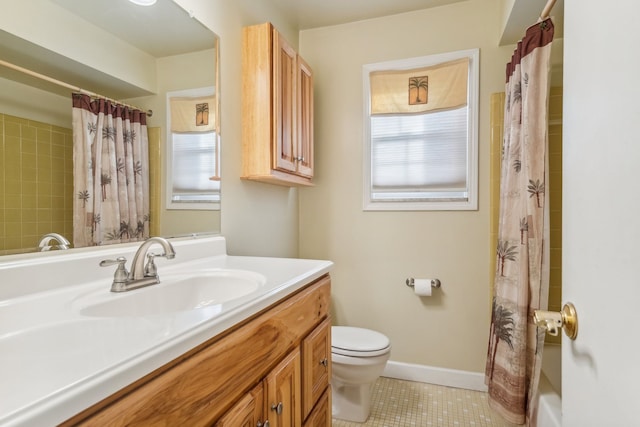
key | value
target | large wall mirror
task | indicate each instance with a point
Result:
(127, 52)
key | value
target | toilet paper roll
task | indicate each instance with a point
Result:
(422, 287)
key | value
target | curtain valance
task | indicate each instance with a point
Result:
(193, 114)
(108, 107)
(438, 87)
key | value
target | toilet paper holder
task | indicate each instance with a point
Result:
(435, 283)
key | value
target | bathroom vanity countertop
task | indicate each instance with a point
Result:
(55, 362)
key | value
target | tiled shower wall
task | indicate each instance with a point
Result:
(554, 187)
(36, 182)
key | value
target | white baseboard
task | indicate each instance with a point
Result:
(433, 375)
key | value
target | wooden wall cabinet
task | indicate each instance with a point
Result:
(277, 110)
(273, 367)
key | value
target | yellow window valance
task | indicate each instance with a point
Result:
(438, 87)
(196, 114)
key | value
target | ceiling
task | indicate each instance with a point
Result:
(525, 13)
(165, 29)
(181, 33)
(160, 30)
(321, 13)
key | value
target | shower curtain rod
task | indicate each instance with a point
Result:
(547, 9)
(67, 85)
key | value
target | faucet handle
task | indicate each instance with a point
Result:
(150, 270)
(121, 275)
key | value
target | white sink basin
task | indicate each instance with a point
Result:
(175, 293)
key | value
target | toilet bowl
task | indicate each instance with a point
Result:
(358, 358)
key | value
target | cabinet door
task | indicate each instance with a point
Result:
(248, 412)
(316, 365)
(283, 392)
(304, 154)
(285, 73)
(321, 415)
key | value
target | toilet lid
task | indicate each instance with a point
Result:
(351, 341)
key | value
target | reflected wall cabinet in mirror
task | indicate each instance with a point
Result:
(130, 53)
(277, 102)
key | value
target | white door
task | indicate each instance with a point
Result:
(601, 206)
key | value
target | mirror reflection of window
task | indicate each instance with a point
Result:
(194, 160)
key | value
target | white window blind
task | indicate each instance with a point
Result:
(195, 157)
(421, 157)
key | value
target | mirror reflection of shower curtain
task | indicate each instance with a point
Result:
(522, 268)
(111, 173)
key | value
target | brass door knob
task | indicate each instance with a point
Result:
(553, 321)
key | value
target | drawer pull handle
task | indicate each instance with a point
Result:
(277, 408)
(324, 362)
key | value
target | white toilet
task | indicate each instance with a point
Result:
(359, 357)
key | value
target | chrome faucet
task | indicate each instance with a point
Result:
(140, 275)
(61, 242)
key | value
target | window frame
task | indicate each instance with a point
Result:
(170, 204)
(471, 203)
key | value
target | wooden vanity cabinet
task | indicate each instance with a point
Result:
(316, 356)
(321, 414)
(248, 412)
(273, 400)
(282, 389)
(258, 370)
(283, 393)
(277, 110)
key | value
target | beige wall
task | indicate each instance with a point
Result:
(20, 100)
(257, 218)
(374, 252)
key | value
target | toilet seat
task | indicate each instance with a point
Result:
(358, 342)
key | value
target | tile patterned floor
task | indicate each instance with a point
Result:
(398, 403)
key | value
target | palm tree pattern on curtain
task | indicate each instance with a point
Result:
(111, 173)
(418, 85)
(522, 268)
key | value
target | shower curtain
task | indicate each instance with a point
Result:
(111, 172)
(522, 268)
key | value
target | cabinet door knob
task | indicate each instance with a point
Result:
(324, 362)
(277, 408)
(265, 424)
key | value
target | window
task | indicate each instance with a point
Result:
(421, 133)
(194, 165)
(193, 178)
